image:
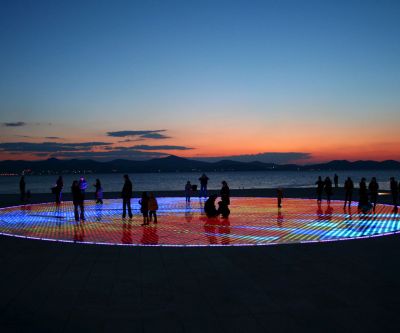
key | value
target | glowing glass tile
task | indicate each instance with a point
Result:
(253, 221)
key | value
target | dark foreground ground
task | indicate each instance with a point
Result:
(348, 286)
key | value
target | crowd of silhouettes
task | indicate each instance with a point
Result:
(367, 194)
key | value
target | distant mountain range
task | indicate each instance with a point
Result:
(178, 164)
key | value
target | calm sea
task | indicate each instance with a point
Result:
(177, 181)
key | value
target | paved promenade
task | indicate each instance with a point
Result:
(348, 286)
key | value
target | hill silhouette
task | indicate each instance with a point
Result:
(179, 164)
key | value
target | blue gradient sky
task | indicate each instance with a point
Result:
(267, 76)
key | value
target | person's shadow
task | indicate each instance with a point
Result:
(224, 231)
(127, 232)
(79, 231)
(150, 236)
(210, 229)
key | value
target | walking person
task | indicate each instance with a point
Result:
(99, 192)
(320, 187)
(188, 191)
(57, 189)
(126, 197)
(225, 193)
(203, 185)
(394, 190)
(348, 188)
(78, 201)
(144, 208)
(153, 207)
(373, 188)
(328, 189)
(22, 188)
(336, 180)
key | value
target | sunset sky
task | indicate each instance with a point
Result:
(287, 81)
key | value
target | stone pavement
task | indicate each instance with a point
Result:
(336, 286)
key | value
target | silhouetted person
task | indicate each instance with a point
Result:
(209, 206)
(98, 194)
(363, 203)
(144, 208)
(22, 188)
(223, 209)
(328, 189)
(394, 190)
(126, 197)
(203, 185)
(58, 189)
(188, 191)
(373, 188)
(279, 195)
(153, 207)
(348, 190)
(320, 188)
(225, 193)
(336, 180)
(78, 201)
(83, 185)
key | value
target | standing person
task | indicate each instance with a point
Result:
(99, 192)
(83, 186)
(394, 189)
(78, 201)
(328, 189)
(373, 188)
(57, 190)
(203, 185)
(153, 207)
(225, 193)
(348, 188)
(336, 180)
(22, 188)
(280, 197)
(144, 208)
(126, 197)
(363, 203)
(320, 187)
(188, 191)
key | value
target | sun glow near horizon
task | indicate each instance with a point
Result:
(200, 79)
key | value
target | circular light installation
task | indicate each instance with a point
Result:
(253, 221)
